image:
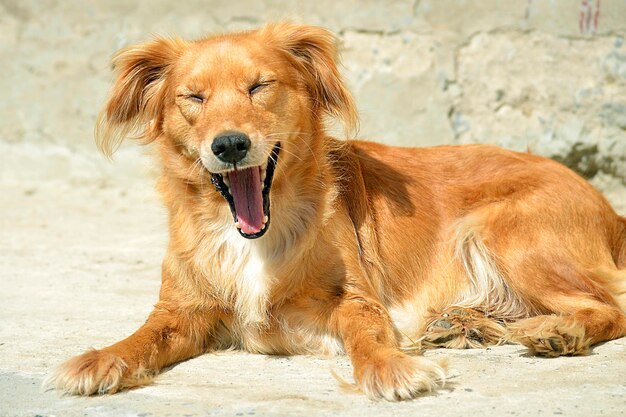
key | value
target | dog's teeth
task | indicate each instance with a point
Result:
(263, 175)
(265, 219)
(237, 225)
(226, 180)
(263, 227)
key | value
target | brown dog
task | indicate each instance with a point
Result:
(371, 249)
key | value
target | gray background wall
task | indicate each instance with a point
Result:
(544, 75)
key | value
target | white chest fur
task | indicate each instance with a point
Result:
(240, 275)
(237, 274)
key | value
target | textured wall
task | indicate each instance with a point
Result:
(544, 75)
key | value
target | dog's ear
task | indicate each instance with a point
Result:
(314, 52)
(135, 104)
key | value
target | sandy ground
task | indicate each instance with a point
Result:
(79, 267)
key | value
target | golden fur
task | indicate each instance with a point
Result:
(373, 250)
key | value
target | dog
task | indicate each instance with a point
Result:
(285, 240)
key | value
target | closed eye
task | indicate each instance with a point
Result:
(196, 97)
(256, 87)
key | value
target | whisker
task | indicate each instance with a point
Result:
(192, 168)
(288, 133)
(201, 177)
(298, 135)
(310, 151)
(291, 153)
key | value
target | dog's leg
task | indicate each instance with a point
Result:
(573, 309)
(462, 328)
(538, 269)
(580, 323)
(381, 370)
(169, 335)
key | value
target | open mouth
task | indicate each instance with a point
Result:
(247, 192)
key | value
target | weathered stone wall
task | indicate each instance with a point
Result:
(544, 75)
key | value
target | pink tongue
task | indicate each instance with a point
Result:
(245, 186)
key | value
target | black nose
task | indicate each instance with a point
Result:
(230, 146)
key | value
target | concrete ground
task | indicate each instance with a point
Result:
(79, 267)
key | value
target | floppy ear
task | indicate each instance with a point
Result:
(135, 104)
(314, 52)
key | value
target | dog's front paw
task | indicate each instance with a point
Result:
(93, 372)
(396, 376)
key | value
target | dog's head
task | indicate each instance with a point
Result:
(237, 104)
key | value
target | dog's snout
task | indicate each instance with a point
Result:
(231, 147)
